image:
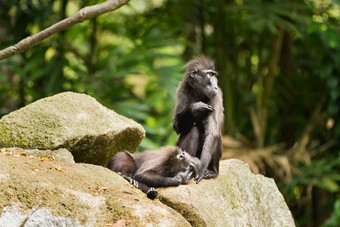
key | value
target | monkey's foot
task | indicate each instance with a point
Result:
(152, 193)
(207, 175)
(210, 174)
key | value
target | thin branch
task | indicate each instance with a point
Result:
(300, 150)
(83, 14)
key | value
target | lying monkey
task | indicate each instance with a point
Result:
(168, 166)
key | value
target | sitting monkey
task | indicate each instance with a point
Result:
(168, 166)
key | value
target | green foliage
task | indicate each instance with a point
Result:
(129, 64)
(334, 220)
(131, 60)
(323, 173)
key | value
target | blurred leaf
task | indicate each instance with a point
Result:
(332, 38)
(132, 109)
(334, 220)
(148, 144)
(328, 184)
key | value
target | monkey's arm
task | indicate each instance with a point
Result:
(152, 179)
(186, 116)
(149, 191)
(183, 120)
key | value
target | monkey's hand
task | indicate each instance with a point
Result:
(200, 109)
(174, 181)
(152, 193)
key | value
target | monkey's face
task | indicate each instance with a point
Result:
(204, 82)
(188, 167)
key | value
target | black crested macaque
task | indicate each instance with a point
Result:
(168, 166)
(198, 116)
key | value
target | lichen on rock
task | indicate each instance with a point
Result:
(61, 154)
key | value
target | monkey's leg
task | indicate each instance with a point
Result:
(149, 191)
(190, 142)
(210, 152)
(213, 168)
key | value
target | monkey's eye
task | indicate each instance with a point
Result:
(181, 156)
(211, 74)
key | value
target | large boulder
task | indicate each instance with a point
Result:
(43, 192)
(77, 122)
(236, 197)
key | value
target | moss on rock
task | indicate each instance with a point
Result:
(77, 122)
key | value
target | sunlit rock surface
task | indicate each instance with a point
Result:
(75, 194)
(236, 197)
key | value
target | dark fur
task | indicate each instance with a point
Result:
(169, 166)
(198, 116)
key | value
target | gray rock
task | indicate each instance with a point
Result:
(77, 122)
(236, 197)
(11, 217)
(43, 217)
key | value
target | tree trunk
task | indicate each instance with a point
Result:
(268, 84)
(222, 49)
(288, 128)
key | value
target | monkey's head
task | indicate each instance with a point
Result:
(184, 165)
(202, 77)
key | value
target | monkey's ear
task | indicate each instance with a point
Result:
(181, 156)
(193, 72)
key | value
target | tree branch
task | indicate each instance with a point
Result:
(83, 14)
